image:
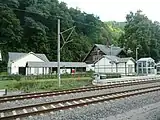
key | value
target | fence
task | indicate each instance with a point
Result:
(128, 70)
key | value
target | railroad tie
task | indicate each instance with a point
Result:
(75, 102)
(105, 97)
(25, 111)
(88, 100)
(14, 112)
(100, 98)
(53, 106)
(61, 104)
(44, 107)
(2, 114)
(41, 114)
(35, 109)
(68, 103)
(52, 112)
(82, 101)
(94, 99)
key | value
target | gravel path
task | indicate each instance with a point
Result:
(141, 107)
(73, 95)
(148, 112)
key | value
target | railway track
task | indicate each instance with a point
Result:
(23, 111)
(78, 90)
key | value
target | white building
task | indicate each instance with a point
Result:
(98, 51)
(36, 64)
(114, 64)
(146, 66)
(17, 63)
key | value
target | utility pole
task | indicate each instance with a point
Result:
(58, 50)
(59, 47)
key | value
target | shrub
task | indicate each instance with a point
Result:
(35, 85)
(16, 77)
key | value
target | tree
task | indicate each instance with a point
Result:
(31, 25)
(10, 31)
(142, 32)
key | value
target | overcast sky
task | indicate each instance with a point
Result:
(117, 9)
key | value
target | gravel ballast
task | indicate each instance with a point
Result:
(141, 107)
(69, 96)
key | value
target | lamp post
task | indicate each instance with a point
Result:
(137, 59)
(97, 58)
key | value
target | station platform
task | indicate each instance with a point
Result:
(124, 79)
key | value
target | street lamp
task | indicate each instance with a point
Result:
(137, 59)
(137, 53)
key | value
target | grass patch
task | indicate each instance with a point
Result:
(45, 84)
(4, 84)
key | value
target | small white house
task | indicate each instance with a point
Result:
(114, 64)
(17, 63)
(146, 66)
(37, 64)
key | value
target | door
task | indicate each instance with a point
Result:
(22, 70)
(130, 69)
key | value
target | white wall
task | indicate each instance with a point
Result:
(37, 71)
(121, 68)
(104, 66)
(89, 67)
(131, 63)
(22, 63)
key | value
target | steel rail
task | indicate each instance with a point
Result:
(104, 97)
(78, 90)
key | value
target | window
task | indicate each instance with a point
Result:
(144, 70)
(152, 64)
(149, 70)
(144, 64)
(139, 64)
(140, 70)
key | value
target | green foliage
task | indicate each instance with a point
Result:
(36, 30)
(3, 74)
(47, 85)
(16, 77)
(116, 30)
(143, 33)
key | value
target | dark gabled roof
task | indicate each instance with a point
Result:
(114, 51)
(55, 64)
(13, 56)
(109, 51)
